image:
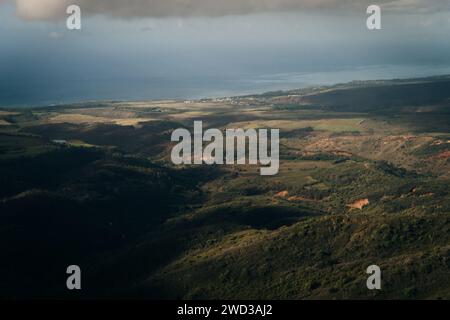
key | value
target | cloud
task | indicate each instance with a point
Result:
(418, 6)
(41, 9)
(53, 9)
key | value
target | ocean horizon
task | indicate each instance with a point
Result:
(16, 94)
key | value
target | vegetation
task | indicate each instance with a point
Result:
(95, 190)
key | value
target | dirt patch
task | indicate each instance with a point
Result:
(359, 204)
(282, 194)
(444, 155)
(427, 195)
(298, 199)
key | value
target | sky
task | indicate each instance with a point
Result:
(154, 49)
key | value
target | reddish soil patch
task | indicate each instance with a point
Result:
(443, 155)
(359, 204)
(282, 194)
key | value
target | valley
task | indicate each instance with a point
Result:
(363, 179)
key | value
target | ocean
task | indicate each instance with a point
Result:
(45, 92)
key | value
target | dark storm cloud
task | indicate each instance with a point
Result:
(50, 9)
